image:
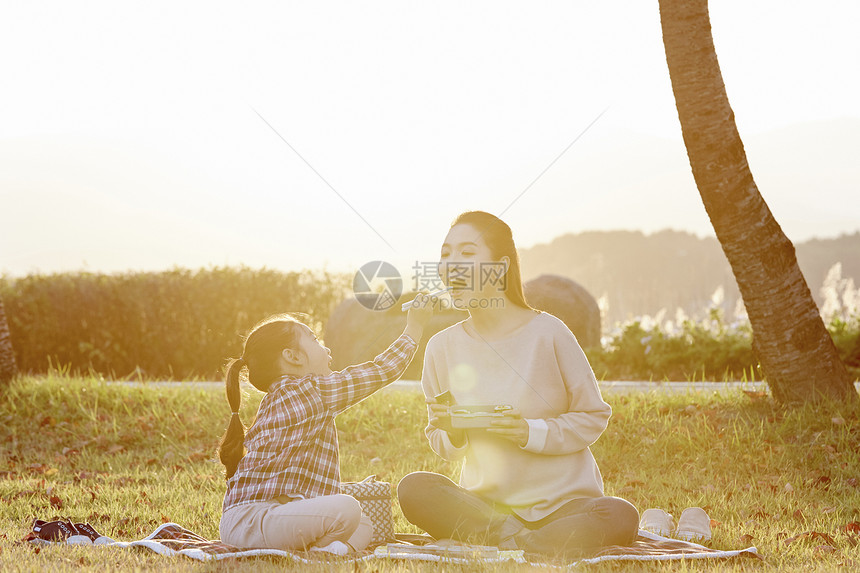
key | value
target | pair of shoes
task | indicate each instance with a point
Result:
(65, 530)
(693, 525)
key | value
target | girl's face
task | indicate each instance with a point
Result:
(466, 265)
(318, 356)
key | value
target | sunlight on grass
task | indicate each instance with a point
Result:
(128, 458)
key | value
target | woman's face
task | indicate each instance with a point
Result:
(466, 265)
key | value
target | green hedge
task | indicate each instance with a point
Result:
(706, 350)
(183, 324)
(709, 349)
(176, 324)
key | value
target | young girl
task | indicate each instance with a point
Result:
(283, 477)
(529, 481)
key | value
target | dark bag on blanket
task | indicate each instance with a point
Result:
(375, 499)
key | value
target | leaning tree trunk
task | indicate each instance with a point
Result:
(7, 355)
(794, 348)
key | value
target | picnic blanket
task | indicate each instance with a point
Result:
(172, 539)
(646, 547)
(652, 547)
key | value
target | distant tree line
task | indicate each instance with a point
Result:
(640, 274)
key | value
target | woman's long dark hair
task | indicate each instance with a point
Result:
(260, 355)
(500, 240)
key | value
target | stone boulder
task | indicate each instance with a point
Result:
(570, 302)
(357, 334)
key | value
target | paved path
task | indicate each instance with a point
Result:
(618, 387)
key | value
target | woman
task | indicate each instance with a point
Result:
(529, 480)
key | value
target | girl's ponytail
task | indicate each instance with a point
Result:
(261, 353)
(232, 447)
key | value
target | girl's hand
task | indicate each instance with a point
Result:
(421, 310)
(513, 427)
(440, 417)
(419, 314)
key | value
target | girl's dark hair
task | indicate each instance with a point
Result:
(261, 353)
(498, 237)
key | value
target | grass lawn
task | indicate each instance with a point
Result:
(127, 459)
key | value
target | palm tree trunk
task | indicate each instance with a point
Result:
(7, 354)
(794, 348)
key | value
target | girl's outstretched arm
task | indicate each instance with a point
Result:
(340, 390)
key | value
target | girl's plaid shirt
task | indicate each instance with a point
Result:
(292, 445)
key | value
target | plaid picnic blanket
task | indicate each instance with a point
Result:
(168, 539)
(652, 547)
(173, 539)
(647, 547)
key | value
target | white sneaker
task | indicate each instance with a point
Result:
(694, 525)
(335, 548)
(657, 521)
(79, 540)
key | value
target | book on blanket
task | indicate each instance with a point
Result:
(445, 550)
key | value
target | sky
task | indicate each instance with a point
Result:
(291, 135)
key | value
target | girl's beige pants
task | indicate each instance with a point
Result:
(298, 524)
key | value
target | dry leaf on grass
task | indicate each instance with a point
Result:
(811, 536)
(823, 481)
(825, 549)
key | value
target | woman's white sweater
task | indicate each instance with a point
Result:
(541, 370)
